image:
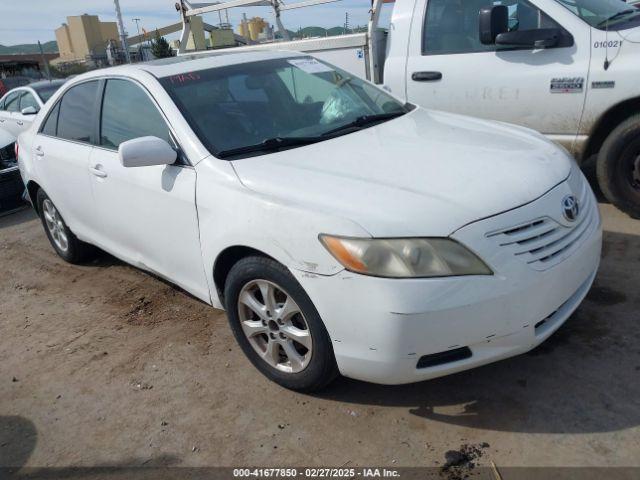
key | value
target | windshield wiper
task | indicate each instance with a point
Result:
(364, 121)
(618, 15)
(270, 145)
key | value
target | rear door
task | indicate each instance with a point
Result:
(449, 69)
(61, 156)
(147, 214)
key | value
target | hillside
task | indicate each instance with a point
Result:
(48, 47)
(325, 32)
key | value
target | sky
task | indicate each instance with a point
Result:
(28, 21)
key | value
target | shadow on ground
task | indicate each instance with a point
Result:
(18, 438)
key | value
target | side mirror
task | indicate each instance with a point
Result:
(29, 110)
(538, 38)
(493, 21)
(146, 152)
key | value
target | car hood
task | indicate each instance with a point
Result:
(424, 174)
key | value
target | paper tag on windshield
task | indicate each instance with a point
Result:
(310, 65)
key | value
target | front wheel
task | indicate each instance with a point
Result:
(618, 167)
(277, 325)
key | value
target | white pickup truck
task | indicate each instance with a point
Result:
(567, 68)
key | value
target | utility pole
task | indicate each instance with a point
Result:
(137, 20)
(44, 62)
(123, 34)
(140, 54)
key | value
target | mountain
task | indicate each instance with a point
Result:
(310, 32)
(48, 47)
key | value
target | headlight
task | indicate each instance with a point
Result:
(405, 257)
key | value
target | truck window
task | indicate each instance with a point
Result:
(451, 26)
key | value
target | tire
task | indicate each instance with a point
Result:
(618, 168)
(265, 331)
(56, 229)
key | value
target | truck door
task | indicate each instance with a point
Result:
(542, 88)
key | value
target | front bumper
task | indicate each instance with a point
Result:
(380, 328)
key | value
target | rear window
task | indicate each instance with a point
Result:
(51, 124)
(77, 115)
(45, 93)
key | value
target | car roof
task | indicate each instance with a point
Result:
(192, 62)
(45, 84)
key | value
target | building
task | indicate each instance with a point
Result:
(253, 28)
(84, 39)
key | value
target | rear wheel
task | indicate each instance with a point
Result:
(62, 239)
(618, 166)
(277, 325)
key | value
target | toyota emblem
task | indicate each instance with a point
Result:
(570, 208)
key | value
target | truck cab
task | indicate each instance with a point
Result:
(566, 68)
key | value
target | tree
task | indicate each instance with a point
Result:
(160, 47)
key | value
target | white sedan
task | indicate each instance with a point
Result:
(343, 230)
(19, 105)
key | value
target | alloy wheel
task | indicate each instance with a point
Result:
(275, 326)
(55, 225)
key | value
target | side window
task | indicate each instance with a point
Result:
(128, 113)
(12, 102)
(28, 100)
(51, 123)
(77, 112)
(451, 26)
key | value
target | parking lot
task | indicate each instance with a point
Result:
(103, 364)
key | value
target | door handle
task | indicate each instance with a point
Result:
(20, 122)
(1, 120)
(98, 172)
(426, 76)
(39, 151)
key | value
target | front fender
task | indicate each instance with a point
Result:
(230, 214)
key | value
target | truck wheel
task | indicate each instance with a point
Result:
(277, 325)
(618, 167)
(62, 239)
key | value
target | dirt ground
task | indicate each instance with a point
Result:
(103, 364)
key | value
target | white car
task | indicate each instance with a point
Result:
(19, 105)
(342, 230)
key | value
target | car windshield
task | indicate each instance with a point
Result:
(253, 108)
(604, 14)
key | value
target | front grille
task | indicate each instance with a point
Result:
(543, 242)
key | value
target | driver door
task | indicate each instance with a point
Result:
(449, 69)
(148, 214)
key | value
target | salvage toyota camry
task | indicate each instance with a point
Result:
(343, 230)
